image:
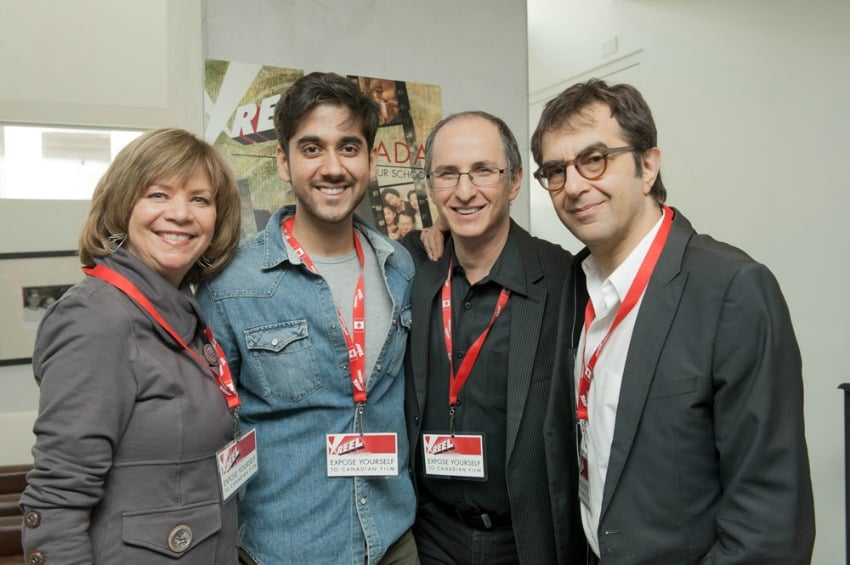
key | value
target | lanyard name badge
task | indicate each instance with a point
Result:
(631, 299)
(360, 454)
(454, 455)
(236, 461)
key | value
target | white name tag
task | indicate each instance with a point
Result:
(362, 455)
(237, 463)
(460, 456)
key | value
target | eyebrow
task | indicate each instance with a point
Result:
(317, 140)
(592, 146)
(475, 165)
(353, 139)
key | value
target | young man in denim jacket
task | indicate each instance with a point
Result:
(291, 311)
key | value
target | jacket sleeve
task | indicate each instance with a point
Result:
(766, 514)
(83, 362)
(217, 320)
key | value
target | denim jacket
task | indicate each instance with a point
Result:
(279, 328)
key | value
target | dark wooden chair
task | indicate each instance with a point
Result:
(13, 480)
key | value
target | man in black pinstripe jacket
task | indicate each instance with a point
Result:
(480, 359)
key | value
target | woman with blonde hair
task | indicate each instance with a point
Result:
(136, 398)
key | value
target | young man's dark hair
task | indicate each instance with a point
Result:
(323, 88)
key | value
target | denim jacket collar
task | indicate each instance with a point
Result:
(276, 250)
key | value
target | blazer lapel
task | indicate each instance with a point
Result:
(429, 278)
(657, 310)
(526, 319)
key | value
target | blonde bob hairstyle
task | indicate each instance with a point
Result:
(150, 158)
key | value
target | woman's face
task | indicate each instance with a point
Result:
(413, 200)
(172, 224)
(389, 215)
(392, 199)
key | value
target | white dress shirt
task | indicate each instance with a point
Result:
(604, 395)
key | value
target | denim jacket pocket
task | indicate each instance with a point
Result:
(401, 329)
(284, 361)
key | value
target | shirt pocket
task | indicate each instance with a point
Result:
(173, 532)
(284, 360)
(401, 330)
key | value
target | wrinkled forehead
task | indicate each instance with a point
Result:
(468, 136)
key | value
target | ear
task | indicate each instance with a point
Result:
(516, 183)
(282, 165)
(651, 161)
(373, 163)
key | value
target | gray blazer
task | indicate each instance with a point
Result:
(534, 324)
(709, 461)
(127, 431)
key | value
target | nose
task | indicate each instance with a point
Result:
(179, 209)
(332, 165)
(574, 183)
(464, 190)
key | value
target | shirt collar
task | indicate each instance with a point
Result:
(605, 294)
(508, 271)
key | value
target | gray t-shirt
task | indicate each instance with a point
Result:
(341, 274)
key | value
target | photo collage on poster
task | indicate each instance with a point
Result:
(239, 111)
(398, 194)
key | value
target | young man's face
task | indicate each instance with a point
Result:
(609, 214)
(473, 213)
(329, 165)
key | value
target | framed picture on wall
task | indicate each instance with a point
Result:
(29, 284)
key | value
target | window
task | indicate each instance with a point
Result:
(53, 163)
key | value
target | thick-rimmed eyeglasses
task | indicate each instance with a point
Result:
(591, 164)
(481, 177)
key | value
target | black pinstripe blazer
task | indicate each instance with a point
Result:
(534, 321)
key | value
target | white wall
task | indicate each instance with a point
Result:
(750, 100)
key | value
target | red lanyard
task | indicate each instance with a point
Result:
(633, 295)
(456, 381)
(357, 342)
(223, 378)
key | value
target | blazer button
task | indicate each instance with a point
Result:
(35, 558)
(180, 538)
(32, 519)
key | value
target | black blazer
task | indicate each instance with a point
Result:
(709, 461)
(531, 355)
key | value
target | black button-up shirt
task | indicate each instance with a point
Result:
(482, 402)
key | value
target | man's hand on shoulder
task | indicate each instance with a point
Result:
(434, 239)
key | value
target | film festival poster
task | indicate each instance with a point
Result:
(239, 112)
